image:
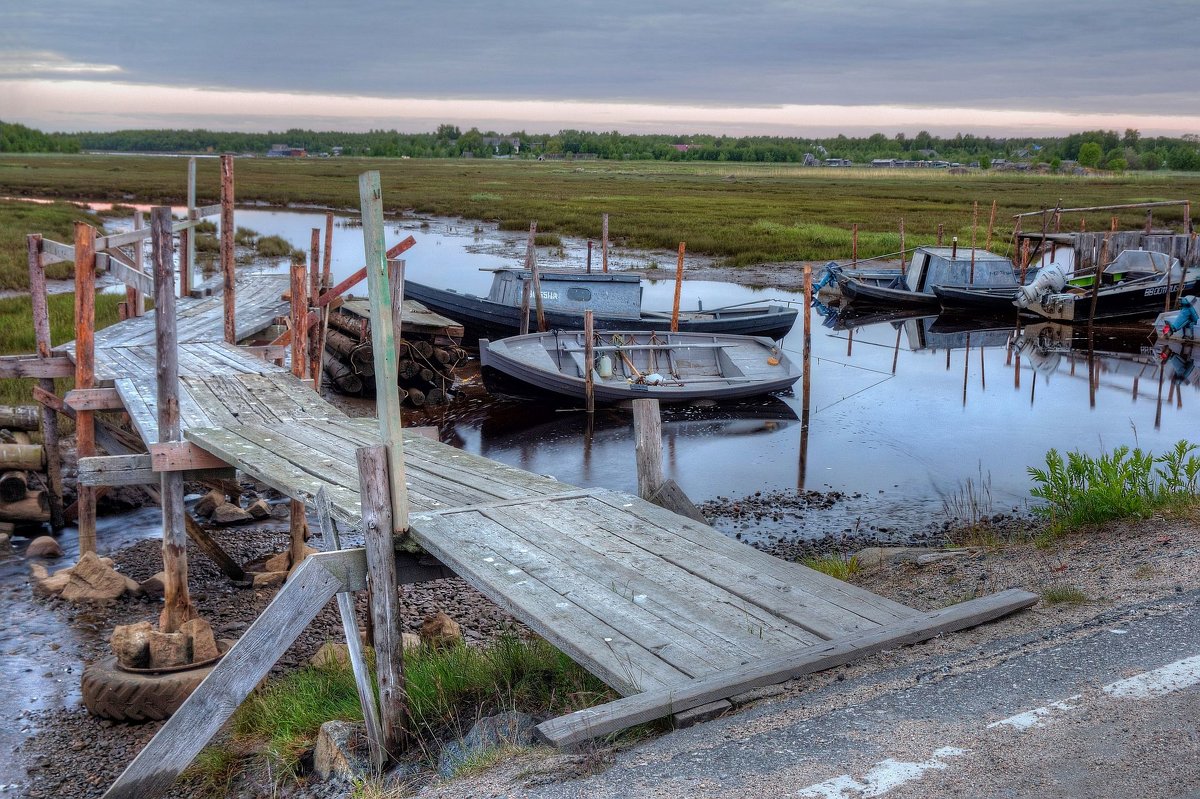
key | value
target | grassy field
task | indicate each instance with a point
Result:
(54, 221)
(741, 213)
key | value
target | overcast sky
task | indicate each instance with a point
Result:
(792, 68)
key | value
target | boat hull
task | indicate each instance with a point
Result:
(1114, 302)
(483, 318)
(508, 369)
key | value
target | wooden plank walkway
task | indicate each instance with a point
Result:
(646, 600)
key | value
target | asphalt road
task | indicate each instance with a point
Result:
(1107, 709)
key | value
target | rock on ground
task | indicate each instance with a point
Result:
(43, 547)
(504, 729)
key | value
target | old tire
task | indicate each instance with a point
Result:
(110, 693)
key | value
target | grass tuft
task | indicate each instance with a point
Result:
(1064, 595)
(278, 247)
(835, 565)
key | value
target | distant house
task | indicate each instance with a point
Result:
(495, 141)
(883, 163)
(286, 151)
(810, 160)
(838, 162)
(681, 148)
(335, 151)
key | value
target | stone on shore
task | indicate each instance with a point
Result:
(168, 650)
(43, 547)
(229, 513)
(131, 644)
(440, 630)
(92, 580)
(209, 503)
(203, 644)
(342, 751)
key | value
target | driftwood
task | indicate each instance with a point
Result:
(22, 457)
(18, 417)
(13, 486)
(33, 507)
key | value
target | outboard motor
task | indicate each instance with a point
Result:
(1185, 318)
(1048, 281)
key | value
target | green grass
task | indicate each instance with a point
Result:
(448, 690)
(54, 221)
(278, 247)
(1081, 490)
(742, 213)
(245, 237)
(835, 565)
(16, 335)
(207, 242)
(205, 226)
(1064, 595)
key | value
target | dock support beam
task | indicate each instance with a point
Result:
(227, 246)
(178, 606)
(187, 236)
(85, 371)
(41, 330)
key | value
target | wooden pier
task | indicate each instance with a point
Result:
(670, 612)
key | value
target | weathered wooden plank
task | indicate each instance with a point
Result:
(135, 469)
(314, 582)
(126, 273)
(757, 566)
(227, 265)
(94, 399)
(683, 640)
(57, 252)
(33, 366)
(176, 456)
(747, 576)
(623, 713)
(208, 545)
(648, 570)
(377, 529)
(601, 647)
(205, 210)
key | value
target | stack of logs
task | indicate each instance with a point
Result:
(425, 365)
(19, 457)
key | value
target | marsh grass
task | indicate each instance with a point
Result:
(1080, 489)
(740, 213)
(448, 690)
(835, 564)
(1064, 595)
(16, 335)
(278, 247)
(245, 237)
(54, 221)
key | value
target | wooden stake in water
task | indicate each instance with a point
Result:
(678, 289)
(40, 302)
(589, 366)
(299, 319)
(327, 263)
(854, 245)
(974, 227)
(604, 243)
(991, 225)
(525, 291)
(647, 436)
(940, 230)
(901, 245)
(589, 260)
(187, 237)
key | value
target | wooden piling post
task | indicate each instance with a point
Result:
(396, 279)
(806, 376)
(974, 226)
(297, 526)
(41, 330)
(299, 321)
(134, 301)
(227, 246)
(1149, 220)
(187, 236)
(327, 263)
(678, 289)
(531, 265)
(854, 245)
(378, 523)
(314, 292)
(941, 228)
(589, 258)
(647, 435)
(525, 291)
(177, 606)
(991, 225)
(85, 372)
(1096, 282)
(604, 242)
(589, 367)
(901, 246)
(387, 390)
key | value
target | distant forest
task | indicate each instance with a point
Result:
(1099, 149)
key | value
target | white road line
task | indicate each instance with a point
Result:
(1159, 682)
(1038, 717)
(881, 778)
(888, 774)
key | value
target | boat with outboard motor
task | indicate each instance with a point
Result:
(614, 298)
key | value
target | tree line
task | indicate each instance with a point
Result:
(1103, 149)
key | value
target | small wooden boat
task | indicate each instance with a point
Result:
(614, 298)
(930, 267)
(633, 364)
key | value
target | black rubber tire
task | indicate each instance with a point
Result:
(110, 693)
